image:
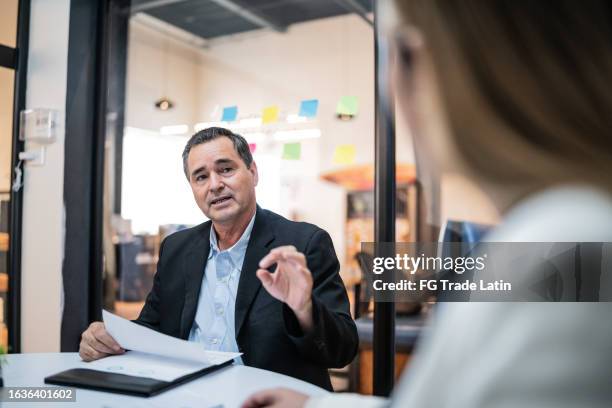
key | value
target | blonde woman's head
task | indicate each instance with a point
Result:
(515, 93)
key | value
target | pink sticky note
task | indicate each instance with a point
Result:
(252, 147)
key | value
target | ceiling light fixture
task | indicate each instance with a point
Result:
(345, 116)
(164, 104)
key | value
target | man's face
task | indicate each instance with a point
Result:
(222, 185)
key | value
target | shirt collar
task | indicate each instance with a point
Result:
(236, 250)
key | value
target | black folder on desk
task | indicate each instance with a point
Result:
(122, 383)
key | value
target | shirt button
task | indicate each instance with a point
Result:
(214, 341)
(220, 311)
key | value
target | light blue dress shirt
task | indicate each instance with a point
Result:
(214, 324)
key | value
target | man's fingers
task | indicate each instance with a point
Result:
(265, 277)
(97, 354)
(270, 283)
(96, 344)
(270, 259)
(287, 252)
(110, 342)
(284, 248)
(102, 336)
(294, 256)
(82, 353)
(88, 353)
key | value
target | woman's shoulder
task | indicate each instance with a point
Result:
(570, 213)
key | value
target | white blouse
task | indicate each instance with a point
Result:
(499, 355)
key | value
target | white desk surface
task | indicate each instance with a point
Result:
(227, 387)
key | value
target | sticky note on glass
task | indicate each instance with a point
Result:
(308, 108)
(229, 114)
(270, 115)
(348, 105)
(292, 151)
(345, 154)
(252, 147)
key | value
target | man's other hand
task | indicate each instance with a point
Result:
(290, 283)
(96, 343)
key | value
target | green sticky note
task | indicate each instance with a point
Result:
(348, 105)
(292, 151)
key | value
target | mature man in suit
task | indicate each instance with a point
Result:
(208, 283)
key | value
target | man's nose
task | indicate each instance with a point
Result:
(216, 183)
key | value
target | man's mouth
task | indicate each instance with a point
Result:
(220, 200)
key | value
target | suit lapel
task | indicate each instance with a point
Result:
(249, 284)
(193, 267)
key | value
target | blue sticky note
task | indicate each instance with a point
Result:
(229, 114)
(308, 108)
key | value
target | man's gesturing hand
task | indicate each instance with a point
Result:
(96, 343)
(290, 283)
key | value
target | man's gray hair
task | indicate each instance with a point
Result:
(212, 133)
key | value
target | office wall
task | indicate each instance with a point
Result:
(43, 209)
(463, 200)
(160, 66)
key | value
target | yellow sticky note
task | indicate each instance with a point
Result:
(270, 115)
(345, 154)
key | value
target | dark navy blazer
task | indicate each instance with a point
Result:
(267, 331)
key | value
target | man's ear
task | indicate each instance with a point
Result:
(253, 170)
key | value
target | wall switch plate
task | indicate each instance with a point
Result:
(34, 157)
(39, 125)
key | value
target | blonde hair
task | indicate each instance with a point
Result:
(526, 85)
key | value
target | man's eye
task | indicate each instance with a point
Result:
(201, 177)
(226, 170)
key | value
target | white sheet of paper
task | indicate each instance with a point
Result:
(132, 336)
(147, 365)
(153, 354)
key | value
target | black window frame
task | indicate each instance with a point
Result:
(16, 59)
(96, 69)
